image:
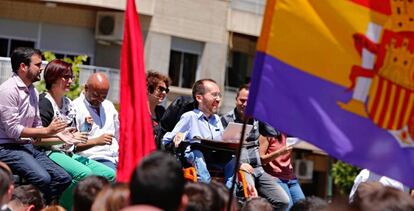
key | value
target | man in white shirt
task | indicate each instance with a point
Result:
(102, 144)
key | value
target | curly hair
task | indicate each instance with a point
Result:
(153, 78)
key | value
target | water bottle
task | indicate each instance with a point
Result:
(86, 127)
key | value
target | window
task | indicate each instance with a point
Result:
(240, 60)
(183, 68)
(7, 45)
(239, 70)
(184, 59)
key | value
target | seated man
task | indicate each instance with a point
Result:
(102, 145)
(20, 126)
(203, 122)
(265, 184)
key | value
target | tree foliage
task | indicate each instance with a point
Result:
(344, 175)
(75, 88)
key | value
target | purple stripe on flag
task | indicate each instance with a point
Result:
(306, 106)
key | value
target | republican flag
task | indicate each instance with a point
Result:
(340, 74)
(136, 134)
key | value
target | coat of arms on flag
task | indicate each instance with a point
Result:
(387, 53)
(340, 74)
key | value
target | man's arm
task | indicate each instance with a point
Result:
(182, 126)
(55, 126)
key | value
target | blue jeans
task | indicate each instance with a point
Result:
(107, 163)
(197, 159)
(293, 190)
(34, 166)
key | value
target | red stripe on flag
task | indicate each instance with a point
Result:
(404, 108)
(376, 98)
(392, 123)
(136, 134)
(381, 6)
(386, 105)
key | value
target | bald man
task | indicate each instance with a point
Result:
(102, 144)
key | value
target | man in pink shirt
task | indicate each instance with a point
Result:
(21, 126)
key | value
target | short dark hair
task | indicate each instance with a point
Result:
(86, 191)
(202, 196)
(257, 203)
(153, 78)
(311, 203)
(158, 181)
(6, 178)
(199, 88)
(23, 55)
(241, 87)
(56, 69)
(373, 195)
(28, 195)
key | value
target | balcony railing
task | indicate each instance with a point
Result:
(85, 71)
(252, 6)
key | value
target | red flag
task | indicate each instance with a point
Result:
(136, 134)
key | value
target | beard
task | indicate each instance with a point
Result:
(33, 76)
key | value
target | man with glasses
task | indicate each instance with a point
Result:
(203, 122)
(102, 119)
(21, 127)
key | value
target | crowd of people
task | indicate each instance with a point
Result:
(65, 152)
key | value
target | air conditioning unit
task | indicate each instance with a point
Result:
(304, 169)
(109, 26)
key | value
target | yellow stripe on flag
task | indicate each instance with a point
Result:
(316, 36)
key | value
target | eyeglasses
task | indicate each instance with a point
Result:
(67, 77)
(216, 95)
(163, 89)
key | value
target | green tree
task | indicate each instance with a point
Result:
(344, 175)
(75, 88)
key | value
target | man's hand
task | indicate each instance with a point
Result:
(251, 191)
(81, 136)
(56, 126)
(247, 168)
(66, 137)
(104, 139)
(179, 137)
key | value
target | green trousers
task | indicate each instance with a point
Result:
(78, 168)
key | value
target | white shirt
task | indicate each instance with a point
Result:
(106, 122)
(365, 176)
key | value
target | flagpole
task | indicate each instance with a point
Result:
(237, 167)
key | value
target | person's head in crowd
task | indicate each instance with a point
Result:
(207, 96)
(58, 75)
(377, 197)
(311, 203)
(96, 89)
(158, 180)
(86, 190)
(6, 184)
(26, 198)
(26, 63)
(112, 198)
(223, 194)
(241, 99)
(54, 208)
(158, 87)
(202, 197)
(257, 204)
